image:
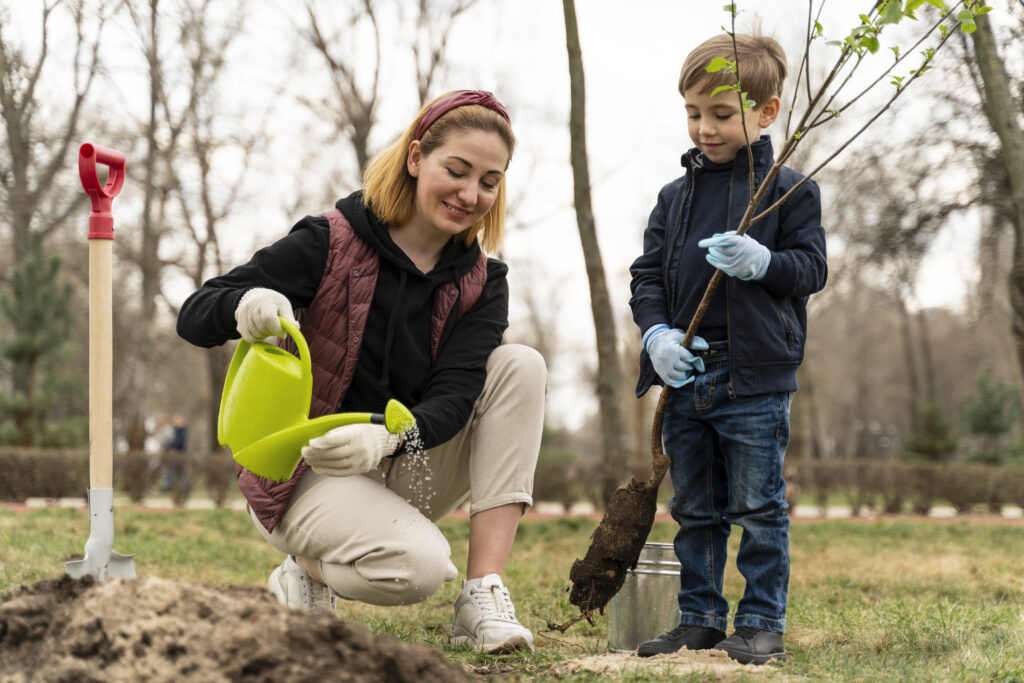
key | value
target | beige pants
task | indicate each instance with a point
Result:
(374, 534)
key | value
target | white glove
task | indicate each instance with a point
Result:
(673, 362)
(257, 314)
(350, 449)
(737, 255)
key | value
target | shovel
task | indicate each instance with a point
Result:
(101, 561)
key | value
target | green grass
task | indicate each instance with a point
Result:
(869, 600)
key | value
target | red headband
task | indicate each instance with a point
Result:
(459, 98)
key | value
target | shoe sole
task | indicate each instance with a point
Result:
(747, 658)
(509, 645)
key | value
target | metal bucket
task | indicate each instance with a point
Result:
(647, 604)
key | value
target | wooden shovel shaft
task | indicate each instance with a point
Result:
(101, 429)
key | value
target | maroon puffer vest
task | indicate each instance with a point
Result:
(333, 326)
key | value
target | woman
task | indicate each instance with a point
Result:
(396, 299)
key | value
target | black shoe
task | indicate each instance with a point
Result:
(753, 646)
(684, 635)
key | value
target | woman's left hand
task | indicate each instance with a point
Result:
(350, 449)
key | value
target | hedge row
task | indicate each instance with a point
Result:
(893, 487)
(44, 473)
(886, 486)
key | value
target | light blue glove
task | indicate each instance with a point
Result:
(737, 255)
(673, 362)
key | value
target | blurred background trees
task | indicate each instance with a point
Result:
(223, 156)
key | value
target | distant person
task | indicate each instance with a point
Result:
(726, 423)
(174, 459)
(397, 299)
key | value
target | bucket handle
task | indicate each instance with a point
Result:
(236, 361)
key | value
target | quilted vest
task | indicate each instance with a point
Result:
(333, 326)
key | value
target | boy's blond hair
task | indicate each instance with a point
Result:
(762, 66)
(390, 192)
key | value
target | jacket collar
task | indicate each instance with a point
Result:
(694, 160)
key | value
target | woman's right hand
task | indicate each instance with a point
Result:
(257, 314)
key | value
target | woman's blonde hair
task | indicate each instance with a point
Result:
(390, 191)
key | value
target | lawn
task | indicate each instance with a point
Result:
(899, 600)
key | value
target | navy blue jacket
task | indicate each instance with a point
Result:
(766, 321)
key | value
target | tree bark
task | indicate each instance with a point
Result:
(1003, 114)
(609, 377)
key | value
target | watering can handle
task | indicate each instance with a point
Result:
(300, 343)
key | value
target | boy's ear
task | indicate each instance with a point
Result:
(769, 111)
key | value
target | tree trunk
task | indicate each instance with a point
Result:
(609, 377)
(1003, 114)
(909, 361)
(217, 360)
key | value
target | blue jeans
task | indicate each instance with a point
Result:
(726, 469)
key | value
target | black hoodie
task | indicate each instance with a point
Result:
(394, 360)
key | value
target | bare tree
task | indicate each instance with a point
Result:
(609, 374)
(185, 57)
(353, 104)
(204, 200)
(34, 200)
(433, 26)
(39, 138)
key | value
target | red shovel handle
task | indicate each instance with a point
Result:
(101, 220)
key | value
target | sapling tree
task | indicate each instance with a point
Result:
(629, 513)
(991, 411)
(837, 93)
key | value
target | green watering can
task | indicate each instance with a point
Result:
(264, 408)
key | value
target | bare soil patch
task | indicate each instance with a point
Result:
(715, 663)
(63, 630)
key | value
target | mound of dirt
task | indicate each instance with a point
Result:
(64, 630)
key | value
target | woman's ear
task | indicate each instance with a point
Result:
(769, 111)
(413, 159)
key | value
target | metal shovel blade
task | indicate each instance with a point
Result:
(101, 561)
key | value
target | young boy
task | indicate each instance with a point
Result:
(726, 424)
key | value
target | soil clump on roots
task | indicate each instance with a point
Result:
(616, 546)
(64, 630)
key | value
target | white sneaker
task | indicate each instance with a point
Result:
(294, 587)
(485, 619)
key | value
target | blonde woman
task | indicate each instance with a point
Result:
(396, 298)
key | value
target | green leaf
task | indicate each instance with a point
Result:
(722, 88)
(968, 28)
(717, 64)
(747, 104)
(938, 4)
(984, 10)
(818, 29)
(731, 8)
(895, 50)
(912, 5)
(893, 13)
(966, 16)
(871, 43)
